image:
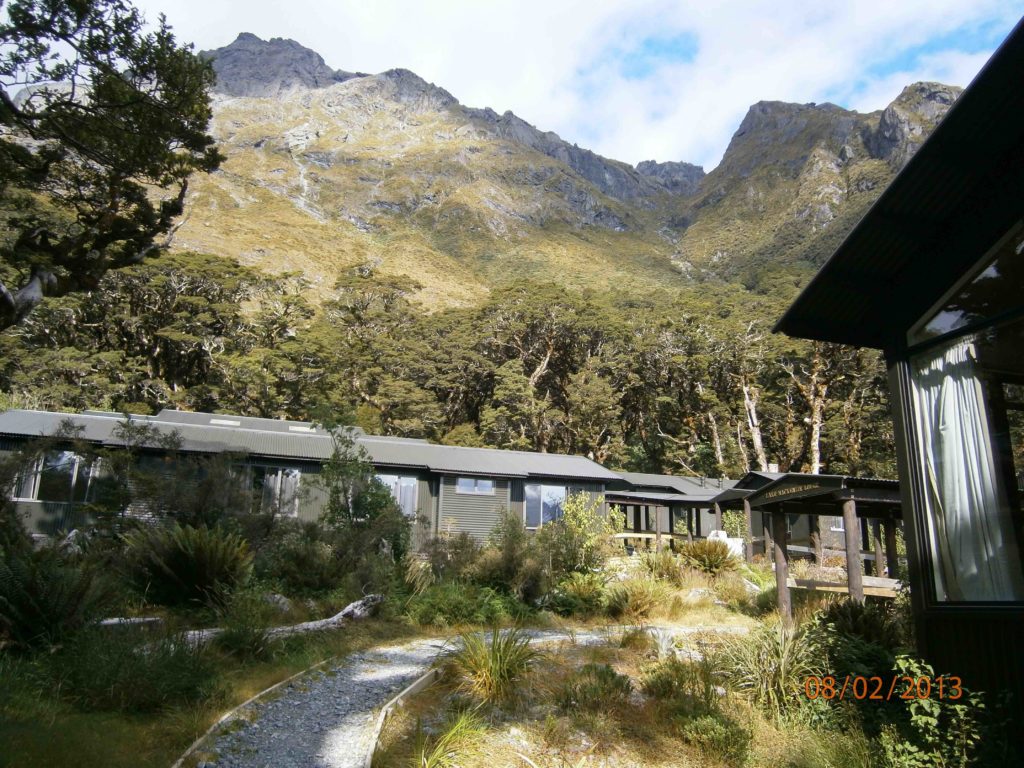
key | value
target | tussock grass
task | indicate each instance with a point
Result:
(491, 669)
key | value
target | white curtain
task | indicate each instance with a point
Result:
(971, 534)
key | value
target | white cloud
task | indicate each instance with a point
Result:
(555, 63)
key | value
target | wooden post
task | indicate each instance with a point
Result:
(766, 523)
(876, 540)
(657, 529)
(785, 602)
(748, 533)
(892, 558)
(814, 525)
(689, 525)
(854, 566)
(718, 516)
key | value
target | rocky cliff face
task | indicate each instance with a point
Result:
(906, 123)
(327, 169)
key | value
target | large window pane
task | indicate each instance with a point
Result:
(554, 499)
(533, 506)
(967, 464)
(56, 475)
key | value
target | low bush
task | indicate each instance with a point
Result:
(666, 566)
(298, 558)
(637, 599)
(717, 736)
(175, 566)
(709, 555)
(594, 687)
(453, 604)
(491, 668)
(115, 670)
(689, 684)
(44, 599)
(770, 667)
(451, 557)
(511, 562)
(579, 594)
(246, 623)
(732, 590)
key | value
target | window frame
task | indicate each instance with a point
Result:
(34, 475)
(397, 486)
(278, 473)
(476, 481)
(540, 523)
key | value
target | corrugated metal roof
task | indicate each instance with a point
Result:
(214, 433)
(953, 201)
(696, 487)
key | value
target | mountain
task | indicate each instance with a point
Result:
(327, 169)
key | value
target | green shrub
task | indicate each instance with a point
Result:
(451, 557)
(44, 600)
(717, 736)
(579, 594)
(116, 670)
(299, 558)
(452, 604)
(636, 599)
(246, 622)
(709, 555)
(490, 669)
(512, 562)
(581, 539)
(669, 567)
(594, 687)
(770, 666)
(940, 732)
(174, 566)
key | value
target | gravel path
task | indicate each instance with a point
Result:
(325, 719)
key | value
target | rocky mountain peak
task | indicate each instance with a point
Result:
(250, 66)
(906, 122)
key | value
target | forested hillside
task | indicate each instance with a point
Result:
(371, 250)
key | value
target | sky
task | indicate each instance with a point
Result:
(630, 79)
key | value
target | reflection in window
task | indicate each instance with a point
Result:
(967, 464)
(58, 476)
(403, 491)
(277, 489)
(544, 504)
(998, 286)
(474, 485)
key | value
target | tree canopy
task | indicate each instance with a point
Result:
(101, 125)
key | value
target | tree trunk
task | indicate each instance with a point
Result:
(754, 425)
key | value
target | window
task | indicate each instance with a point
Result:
(479, 485)
(967, 382)
(838, 524)
(58, 476)
(276, 489)
(403, 490)
(544, 504)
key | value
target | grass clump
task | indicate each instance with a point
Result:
(460, 731)
(117, 671)
(770, 666)
(246, 623)
(637, 599)
(491, 669)
(179, 565)
(718, 736)
(579, 594)
(710, 556)
(594, 687)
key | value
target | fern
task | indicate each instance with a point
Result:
(179, 565)
(43, 599)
